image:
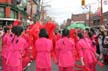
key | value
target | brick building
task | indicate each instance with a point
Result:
(84, 18)
(96, 20)
(78, 17)
(68, 22)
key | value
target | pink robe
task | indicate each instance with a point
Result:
(58, 36)
(85, 50)
(43, 54)
(93, 46)
(26, 58)
(16, 51)
(94, 40)
(6, 41)
(64, 52)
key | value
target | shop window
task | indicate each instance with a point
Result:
(2, 12)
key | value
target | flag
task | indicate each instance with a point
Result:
(99, 11)
(50, 27)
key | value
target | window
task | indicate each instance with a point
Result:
(94, 22)
(2, 12)
(98, 22)
(14, 14)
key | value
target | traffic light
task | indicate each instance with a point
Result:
(83, 2)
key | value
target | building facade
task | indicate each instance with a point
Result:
(96, 20)
(84, 18)
(9, 9)
(18, 9)
(80, 18)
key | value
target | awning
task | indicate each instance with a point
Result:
(8, 19)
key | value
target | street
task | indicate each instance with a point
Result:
(64, 29)
(54, 67)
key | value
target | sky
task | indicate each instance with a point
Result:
(61, 10)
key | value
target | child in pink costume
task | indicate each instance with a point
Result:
(6, 41)
(43, 50)
(87, 55)
(64, 52)
(16, 50)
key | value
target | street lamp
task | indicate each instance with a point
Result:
(89, 13)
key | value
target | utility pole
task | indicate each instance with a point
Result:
(38, 9)
(31, 8)
(89, 14)
(41, 9)
(101, 19)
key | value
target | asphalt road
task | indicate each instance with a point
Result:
(54, 67)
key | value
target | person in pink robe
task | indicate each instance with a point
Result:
(64, 52)
(57, 36)
(6, 41)
(93, 38)
(92, 41)
(16, 50)
(87, 56)
(73, 35)
(43, 51)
